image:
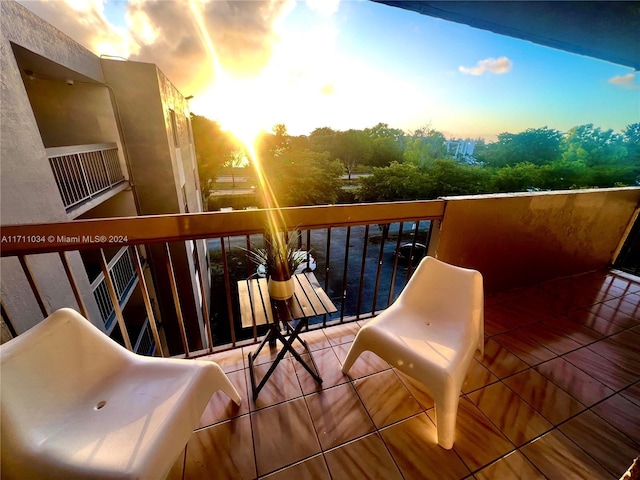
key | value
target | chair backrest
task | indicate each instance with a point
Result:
(447, 291)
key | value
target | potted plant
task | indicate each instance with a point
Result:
(280, 258)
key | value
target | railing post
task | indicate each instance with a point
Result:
(395, 264)
(115, 300)
(327, 270)
(33, 285)
(205, 304)
(147, 302)
(385, 231)
(344, 273)
(362, 270)
(74, 285)
(227, 285)
(176, 299)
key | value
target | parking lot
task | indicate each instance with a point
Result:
(344, 295)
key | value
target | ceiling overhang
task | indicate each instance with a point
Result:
(605, 30)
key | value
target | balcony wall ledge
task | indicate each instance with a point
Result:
(102, 197)
(537, 193)
(520, 239)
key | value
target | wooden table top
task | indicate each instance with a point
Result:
(257, 308)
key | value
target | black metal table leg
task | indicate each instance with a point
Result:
(272, 336)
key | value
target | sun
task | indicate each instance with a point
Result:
(240, 106)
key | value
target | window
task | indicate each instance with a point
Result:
(174, 128)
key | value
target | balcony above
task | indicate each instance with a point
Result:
(86, 174)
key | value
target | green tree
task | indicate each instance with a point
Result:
(424, 146)
(518, 178)
(323, 140)
(398, 181)
(213, 147)
(593, 146)
(448, 177)
(631, 139)
(306, 178)
(563, 174)
(387, 144)
(352, 148)
(537, 146)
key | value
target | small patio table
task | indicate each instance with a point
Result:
(257, 308)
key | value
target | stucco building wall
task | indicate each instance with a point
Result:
(28, 189)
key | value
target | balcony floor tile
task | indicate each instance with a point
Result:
(365, 458)
(386, 398)
(282, 435)
(514, 465)
(557, 457)
(338, 416)
(614, 374)
(500, 361)
(367, 363)
(329, 368)
(222, 451)
(281, 386)
(518, 420)
(220, 408)
(551, 401)
(559, 384)
(622, 414)
(632, 393)
(581, 386)
(315, 467)
(589, 432)
(473, 429)
(413, 445)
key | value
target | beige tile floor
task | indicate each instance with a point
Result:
(557, 395)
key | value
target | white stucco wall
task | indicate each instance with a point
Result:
(28, 192)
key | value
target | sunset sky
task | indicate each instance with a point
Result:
(350, 64)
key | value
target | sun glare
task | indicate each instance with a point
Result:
(237, 105)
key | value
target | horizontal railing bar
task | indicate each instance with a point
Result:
(110, 232)
(71, 149)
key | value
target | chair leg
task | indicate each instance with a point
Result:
(224, 384)
(446, 413)
(357, 347)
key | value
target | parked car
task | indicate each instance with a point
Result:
(303, 267)
(404, 252)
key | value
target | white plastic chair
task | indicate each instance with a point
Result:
(431, 333)
(75, 404)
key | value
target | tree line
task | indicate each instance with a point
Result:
(417, 165)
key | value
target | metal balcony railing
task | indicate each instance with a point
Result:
(84, 171)
(352, 244)
(123, 276)
(145, 345)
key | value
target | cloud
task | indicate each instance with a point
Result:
(85, 22)
(626, 81)
(498, 66)
(243, 34)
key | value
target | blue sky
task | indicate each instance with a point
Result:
(351, 64)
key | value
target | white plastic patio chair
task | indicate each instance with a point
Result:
(75, 404)
(431, 333)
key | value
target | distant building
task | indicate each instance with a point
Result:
(461, 149)
(88, 137)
